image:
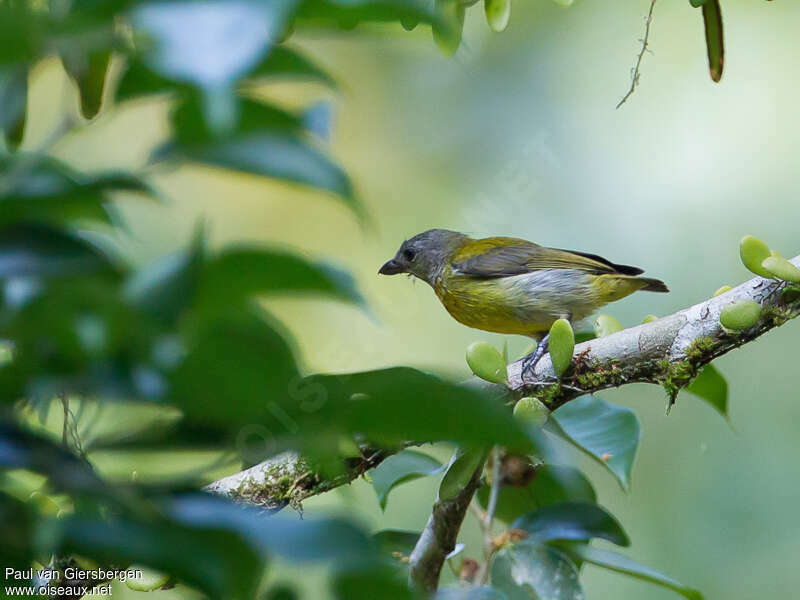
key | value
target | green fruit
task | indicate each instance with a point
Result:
(447, 31)
(740, 315)
(497, 13)
(531, 412)
(148, 581)
(781, 268)
(486, 362)
(753, 252)
(606, 325)
(722, 290)
(649, 319)
(562, 345)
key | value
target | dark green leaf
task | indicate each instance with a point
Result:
(138, 80)
(551, 484)
(623, 564)
(88, 70)
(265, 141)
(220, 562)
(396, 540)
(697, 3)
(285, 62)
(715, 45)
(298, 540)
(404, 466)
(606, 432)
(462, 467)
(530, 571)
(711, 386)
(386, 404)
(13, 103)
(370, 585)
(572, 521)
(238, 273)
(30, 251)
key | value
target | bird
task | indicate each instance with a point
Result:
(512, 286)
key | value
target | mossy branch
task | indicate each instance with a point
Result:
(668, 352)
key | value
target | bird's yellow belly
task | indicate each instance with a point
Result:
(524, 304)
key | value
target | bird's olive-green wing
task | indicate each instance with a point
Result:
(505, 257)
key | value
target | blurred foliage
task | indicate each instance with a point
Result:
(187, 336)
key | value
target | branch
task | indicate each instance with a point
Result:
(645, 40)
(287, 479)
(668, 352)
(438, 539)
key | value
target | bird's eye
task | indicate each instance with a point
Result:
(409, 255)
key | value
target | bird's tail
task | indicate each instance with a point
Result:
(653, 285)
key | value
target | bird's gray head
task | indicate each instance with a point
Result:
(425, 255)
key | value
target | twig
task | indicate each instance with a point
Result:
(635, 74)
(488, 519)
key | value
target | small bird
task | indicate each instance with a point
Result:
(513, 286)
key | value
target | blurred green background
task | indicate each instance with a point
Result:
(517, 135)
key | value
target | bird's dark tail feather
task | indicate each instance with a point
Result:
(653, 285)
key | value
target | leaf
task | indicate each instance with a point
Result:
(351, 13)
(41, 188)
(265, 141)
(139, 80)
(712, 19)
(13, 103)
(530, 571)
(396, 540)
(244, 271)
(608, 433)
(219, 563)
(498, 13)
(32, 251)
(572, 521)
(371, 584)
(552, 484)
(209, 44)
(404, 466)
(286, 62)
(307, 540)
(460, 471)
(711, 386)
(623, 564)
(88, 70)
(447, 33)
(386, 405)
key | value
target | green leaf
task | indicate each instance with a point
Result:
(715, 45)
(552, 484)
(41, 188)
(459, 472)
(371, 584)
(447, 33)
(396, 540)
(498, 13)
(623, 564)
(697, 3)
(13, 103)
(139, 80)
(531, 571)
(211, 44)
(400, 468)
(606, 432)
(220, 563)
(572, 521)
(386, 405)
(285, 62)
(265, 141)
(31, 251)
(244, 271)
(88, 70)
(351, 13)
(711, 386)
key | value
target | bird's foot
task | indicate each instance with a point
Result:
(529, 361)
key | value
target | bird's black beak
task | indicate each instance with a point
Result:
(392, 267)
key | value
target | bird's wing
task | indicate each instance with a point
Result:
(505, 257)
